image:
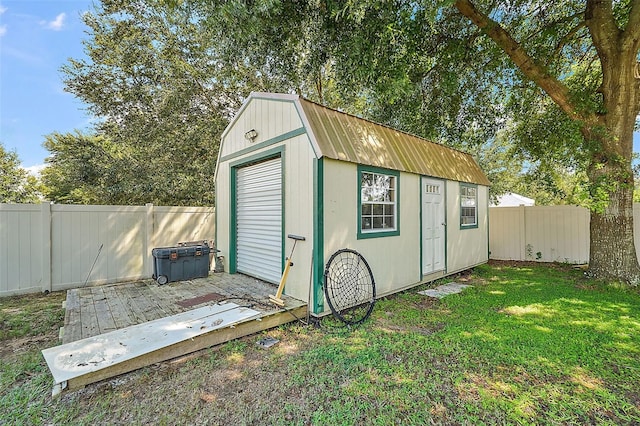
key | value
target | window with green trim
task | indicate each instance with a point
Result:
(378, 202)
(468, 206)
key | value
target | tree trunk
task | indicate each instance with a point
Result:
(612, 249)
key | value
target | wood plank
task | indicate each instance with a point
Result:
(166, 298)
(119, 309)
(139, 306)
(90, 355)
(185, 289)
(88, 317)
(72, 324)
(176, 294)
(234, 288)
(135, 303)
(202, 341)
(104, 315)
(250, 290)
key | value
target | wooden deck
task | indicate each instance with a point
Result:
(93, 311)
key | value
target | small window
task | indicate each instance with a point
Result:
(378, 203)
(468, 206)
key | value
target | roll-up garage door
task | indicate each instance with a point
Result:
(259, 220)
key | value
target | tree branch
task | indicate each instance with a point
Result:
(603, 28)
(632, 32)
(567, 38)
(529, 67)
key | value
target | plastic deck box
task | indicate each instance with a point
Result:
(180, 263)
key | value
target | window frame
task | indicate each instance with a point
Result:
(375, 233)
(464, 186)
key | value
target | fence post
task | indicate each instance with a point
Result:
(522, 232)
(149, 239)
(45, 209)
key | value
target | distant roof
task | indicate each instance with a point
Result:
(511, 199)
(345, 137)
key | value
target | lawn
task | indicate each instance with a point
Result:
(528, 344)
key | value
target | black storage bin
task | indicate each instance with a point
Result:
(180, 263)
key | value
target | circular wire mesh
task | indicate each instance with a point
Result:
(349, 286)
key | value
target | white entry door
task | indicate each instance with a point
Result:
(433, 225)
(259, 220)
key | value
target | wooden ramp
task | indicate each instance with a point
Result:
(115, 329)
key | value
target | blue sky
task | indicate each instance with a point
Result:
(36, 38)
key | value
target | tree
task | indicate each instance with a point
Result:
(84, 169)
(162, 97)
(16, 184)
(563, 70)
(605, 112)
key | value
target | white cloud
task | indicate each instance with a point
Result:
(3, 28)
(56, 24)
(35, 170)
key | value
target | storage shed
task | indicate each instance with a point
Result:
(415, 210)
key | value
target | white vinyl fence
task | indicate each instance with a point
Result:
(46, 247)
(544, 233)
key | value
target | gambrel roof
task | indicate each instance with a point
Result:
(345, 137)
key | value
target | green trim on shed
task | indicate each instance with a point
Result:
(233, 224)
(318, 236)
(446, 227)
(474, 186)
(379, 170)
(421, 225)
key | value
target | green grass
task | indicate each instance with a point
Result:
(528, 344)
(32, 315)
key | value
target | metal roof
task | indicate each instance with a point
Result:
(345, 137)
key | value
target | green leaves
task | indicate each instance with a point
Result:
(152, 77)
(16, 184)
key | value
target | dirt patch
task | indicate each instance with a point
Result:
(426, 331)
(427, 303)
(16, 347)
(530, 264)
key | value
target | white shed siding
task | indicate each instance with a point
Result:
(466, 247)
(395, 260)
(223, 211)
(273, 120)
(269, 118)
(299, 213)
